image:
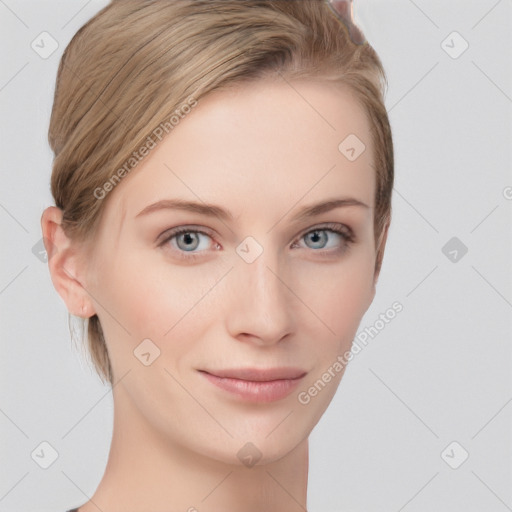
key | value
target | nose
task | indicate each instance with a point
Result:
(261, 305)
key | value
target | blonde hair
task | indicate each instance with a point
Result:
(136, 62)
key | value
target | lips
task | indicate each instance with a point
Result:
(259, 375)
(255, 384)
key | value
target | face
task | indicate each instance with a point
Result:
(225, 320)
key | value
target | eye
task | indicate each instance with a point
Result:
(185, 240)
(318, 238)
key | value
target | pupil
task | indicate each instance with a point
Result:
(188, 239)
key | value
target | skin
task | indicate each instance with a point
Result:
(262, 151)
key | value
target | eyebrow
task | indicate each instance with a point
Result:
(211, 210)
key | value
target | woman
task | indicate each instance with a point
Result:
(222, 178)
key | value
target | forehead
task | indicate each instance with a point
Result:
(265, 144)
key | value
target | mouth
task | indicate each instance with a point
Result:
(256, 385)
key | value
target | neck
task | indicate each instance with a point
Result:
(147, 472)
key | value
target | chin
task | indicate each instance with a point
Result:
(255, 451)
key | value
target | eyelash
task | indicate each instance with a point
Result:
(344, 231)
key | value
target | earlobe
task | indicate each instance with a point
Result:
(65, 264)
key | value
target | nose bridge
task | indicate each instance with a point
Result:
(263, 277)
(261, 306)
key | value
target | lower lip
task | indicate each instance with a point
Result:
(255, 391)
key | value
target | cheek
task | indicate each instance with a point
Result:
(350, 300)
(136, 295)
(338, 295)
(157, 301)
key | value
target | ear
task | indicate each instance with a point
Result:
(65, 262)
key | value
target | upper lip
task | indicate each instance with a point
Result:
(259, 374)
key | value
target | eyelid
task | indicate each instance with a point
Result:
(176, 230)
(337, 227)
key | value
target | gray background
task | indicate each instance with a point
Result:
(439, 372)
